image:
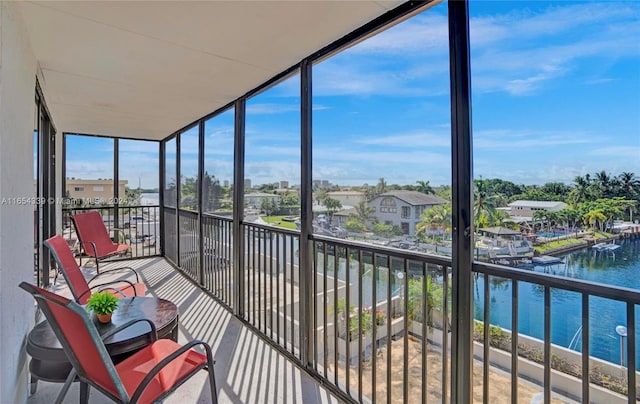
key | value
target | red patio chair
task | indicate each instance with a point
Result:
(79, 286)
(147, 376)
(94, 237)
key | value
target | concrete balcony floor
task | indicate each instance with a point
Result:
(247, 369)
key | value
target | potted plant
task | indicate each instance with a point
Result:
(103, 304)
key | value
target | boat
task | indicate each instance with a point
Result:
(606, 246)
(546, 260)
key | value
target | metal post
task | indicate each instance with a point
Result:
(201, 201)
(306, 216)
(116, 184)
(238, 208)
(622, 332)
(462, 203)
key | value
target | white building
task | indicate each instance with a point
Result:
(255, 199)
(348, 198)
(522, 211)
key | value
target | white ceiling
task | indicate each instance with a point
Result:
(146, 69)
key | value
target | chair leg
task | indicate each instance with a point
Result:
(65, 387)
(212, 384)
(84, 393)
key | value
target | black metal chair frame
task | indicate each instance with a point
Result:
(78, 373)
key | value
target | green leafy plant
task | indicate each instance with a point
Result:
(433, 300)
(356, 320)
(102, 303)
(381, 317)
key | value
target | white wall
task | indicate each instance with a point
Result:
(17, 91)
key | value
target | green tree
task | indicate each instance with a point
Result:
(436, 218)
(484, 209)
(424, 187)
(434, 300)
(132, 196)
(212, 193)
(332, 205)
(580, 192)
(269, 206)
(320, 195)
(381, 187)
(539, 216)
(363, 213)
(604, 184)
(595, 218)
(355, 226)
(386, 230)
(290, 199)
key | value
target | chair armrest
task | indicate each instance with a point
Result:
(113, 288)
(154, 333)
(116, 290)
(121, 230)
(95, 249)
(114, 270)
(175, 354)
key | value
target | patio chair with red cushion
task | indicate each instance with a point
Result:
(94, 237)
(147, 376)
(79, 286)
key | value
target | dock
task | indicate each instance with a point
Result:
(546, 260)
(510, 259)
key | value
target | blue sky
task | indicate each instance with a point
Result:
(555, 87)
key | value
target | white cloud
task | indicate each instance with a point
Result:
(271, 108)
(408, 140)
(428, 32)
(619, 152)
(503, 139)
(519, 52)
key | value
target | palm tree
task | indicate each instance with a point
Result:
(381, 187)
(332, 205)
(484, 209)
(579, 192)
(595, 218)
(539, 216)
(629, 185)
(363, 213)
(320, 196)
(424, 187)
(601, 185)
(438, 217)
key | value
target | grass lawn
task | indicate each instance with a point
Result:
(556, 244)
(277, 221)
(568, 242)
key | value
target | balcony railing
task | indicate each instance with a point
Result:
(138, 225)
(379, 326)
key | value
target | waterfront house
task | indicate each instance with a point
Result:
(403, 208)
(522, 210)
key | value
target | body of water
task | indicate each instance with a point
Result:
(550, 234)
(619, 268)
(152, 198)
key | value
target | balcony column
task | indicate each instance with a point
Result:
(238, 208)
(462, 204)
(201, 245)
(306, 217)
